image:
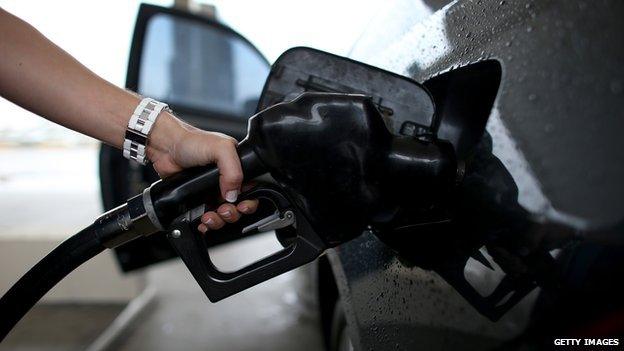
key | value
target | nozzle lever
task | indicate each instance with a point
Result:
(275, 221)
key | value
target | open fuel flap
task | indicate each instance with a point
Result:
(407, 108)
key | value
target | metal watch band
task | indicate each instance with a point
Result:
(139, 127)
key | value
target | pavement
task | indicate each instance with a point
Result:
(62, 327)
(279, 314)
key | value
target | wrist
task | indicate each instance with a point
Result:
(140, 127)
(166, 133)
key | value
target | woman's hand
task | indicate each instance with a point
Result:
(175, 145)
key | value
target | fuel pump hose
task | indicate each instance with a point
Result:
(42, 277)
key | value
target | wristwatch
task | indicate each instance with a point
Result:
(139, 127)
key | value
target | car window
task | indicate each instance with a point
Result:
(187, 64)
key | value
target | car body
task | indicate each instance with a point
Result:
(548, 183)
(530, 248)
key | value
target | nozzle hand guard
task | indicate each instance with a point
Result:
(217, 285)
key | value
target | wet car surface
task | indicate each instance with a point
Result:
(533, 246)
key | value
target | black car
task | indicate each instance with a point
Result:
(529, 249)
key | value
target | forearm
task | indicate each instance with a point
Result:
(41, 77)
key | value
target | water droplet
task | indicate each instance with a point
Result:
(529, 29)
(616, 86)
(508, 43)
(167, 328)
(532, 97)
(502, 2)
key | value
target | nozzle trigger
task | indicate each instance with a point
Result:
(275, 221)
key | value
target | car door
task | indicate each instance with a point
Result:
(209, 75)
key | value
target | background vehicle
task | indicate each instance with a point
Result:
(530, 94)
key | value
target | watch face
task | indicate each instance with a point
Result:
(136, 136)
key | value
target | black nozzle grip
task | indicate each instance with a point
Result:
(190, 188)
(304, 247)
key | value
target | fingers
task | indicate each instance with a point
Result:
(247, 206)
(210, 221)
(231, 173)
(226, 213)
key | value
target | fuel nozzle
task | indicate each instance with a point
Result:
(338, 169)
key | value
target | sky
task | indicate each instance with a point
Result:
(98, 34)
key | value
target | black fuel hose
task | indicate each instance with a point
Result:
(43, 276)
